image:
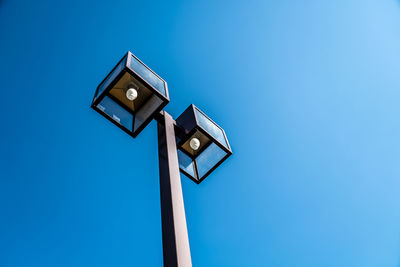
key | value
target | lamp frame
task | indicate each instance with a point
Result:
(98, 98)
(192, 123)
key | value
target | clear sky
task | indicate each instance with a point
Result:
(308, 93)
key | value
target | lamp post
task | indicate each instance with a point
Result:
(131, 96)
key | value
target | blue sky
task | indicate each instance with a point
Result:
(308, 93)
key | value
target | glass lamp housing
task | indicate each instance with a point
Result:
(111, 98)
(214, 146)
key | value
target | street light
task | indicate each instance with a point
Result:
(130, 97)
(202, 147)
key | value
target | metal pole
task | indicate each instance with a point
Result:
(175, 238)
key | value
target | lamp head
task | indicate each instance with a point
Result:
(131, 95)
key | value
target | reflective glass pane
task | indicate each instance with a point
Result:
(116, 112)
(211, 128)
(209, 158)
(111, 77)
(147, 75)
(147, 110)
(186, 163)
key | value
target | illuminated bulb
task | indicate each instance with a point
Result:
(131, 94)
(194, 143)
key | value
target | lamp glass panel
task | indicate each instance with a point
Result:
(111, 77)
(186, 163)
(147, 109)
(147, 75)
(116, 112)
(211, 128)
(209, 158)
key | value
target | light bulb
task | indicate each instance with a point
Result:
(194, 143)
(131, 94)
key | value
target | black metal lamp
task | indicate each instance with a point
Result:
(203, 145)
(131, 95)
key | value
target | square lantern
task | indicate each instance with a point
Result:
(202, 145)
(131, 95)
